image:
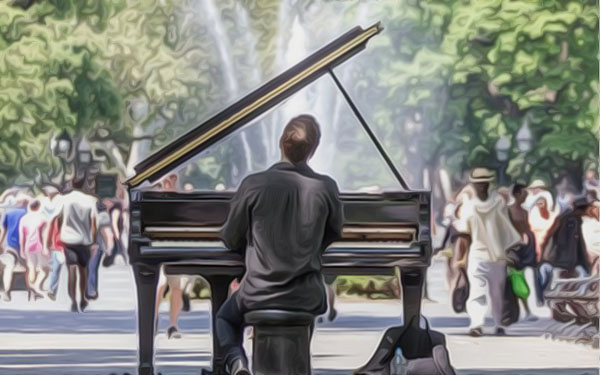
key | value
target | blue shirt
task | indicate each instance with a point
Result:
(11, 224)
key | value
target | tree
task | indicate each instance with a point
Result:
(51, 80)
(441, 84)
(533, 60)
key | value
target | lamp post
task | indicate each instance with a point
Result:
(525, 143)
(84, 161)
(524, 137)
(502, 149)
(61, 147)
(84, 153)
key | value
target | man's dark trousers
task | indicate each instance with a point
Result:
(230, 325)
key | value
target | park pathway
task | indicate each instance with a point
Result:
(43, 337)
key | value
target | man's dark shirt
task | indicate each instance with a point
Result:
(284, 218)
(565, 246)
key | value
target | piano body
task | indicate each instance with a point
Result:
(180, 230)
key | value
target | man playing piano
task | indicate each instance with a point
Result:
(283, 219)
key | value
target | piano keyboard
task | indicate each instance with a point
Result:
(380, 248)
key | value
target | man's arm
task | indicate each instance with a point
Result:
(94, 222)
(45, 230)
(3, 233)
(235, 229)
(21, 248)
(49, 233)
(114, 216)
(335, 220)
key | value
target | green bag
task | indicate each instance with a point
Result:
(518, 283)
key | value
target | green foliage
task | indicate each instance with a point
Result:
(528, 59)
(371, 287)
(441, 84)
(49, 81)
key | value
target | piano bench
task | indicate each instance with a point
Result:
(281, 343)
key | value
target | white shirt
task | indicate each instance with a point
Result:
(532, 198)
(78, 210)
(490, 228)
(50, 208)
(590, 227)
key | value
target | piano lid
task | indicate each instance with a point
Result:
(252, 105)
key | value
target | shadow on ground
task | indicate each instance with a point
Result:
(179, 362)
(545, 371)
(66, 322)
(97, 362)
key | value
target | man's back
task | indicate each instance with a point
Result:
(289, 214)
(78, 211)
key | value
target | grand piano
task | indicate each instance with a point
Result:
(383, 231)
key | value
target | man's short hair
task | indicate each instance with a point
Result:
(517, 189)
(34, 205)
(78, 182)
(300, 138)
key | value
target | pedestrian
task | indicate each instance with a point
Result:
(31, 238)
(105, 243)
(78, 233)
(10, 242)
(57, 254)
(487, 222)
(174, 284)
(536, 190)
(590, 228)
(591, 183)
(525, 253)
(565, 248)
(541, 219)
(117, 219)
(564, 194)
(50, 208)
(460, 241)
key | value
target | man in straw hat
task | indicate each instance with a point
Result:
(488, 224)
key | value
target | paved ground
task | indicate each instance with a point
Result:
(42, 337)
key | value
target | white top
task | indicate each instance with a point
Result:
(50, 208)
(590, 227)
(490, 228)
(532, 198)
(78, 210)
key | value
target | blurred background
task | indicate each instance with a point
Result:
(93, 87)
(448, 85)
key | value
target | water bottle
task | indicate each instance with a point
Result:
(399, 363)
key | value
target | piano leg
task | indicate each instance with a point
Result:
(412, 294)
(219, 290)
(146, 279)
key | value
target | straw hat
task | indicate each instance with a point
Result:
(537, 184)
(50, 189)
(481, 175)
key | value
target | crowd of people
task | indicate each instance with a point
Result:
(495, 234)
(42, 232)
